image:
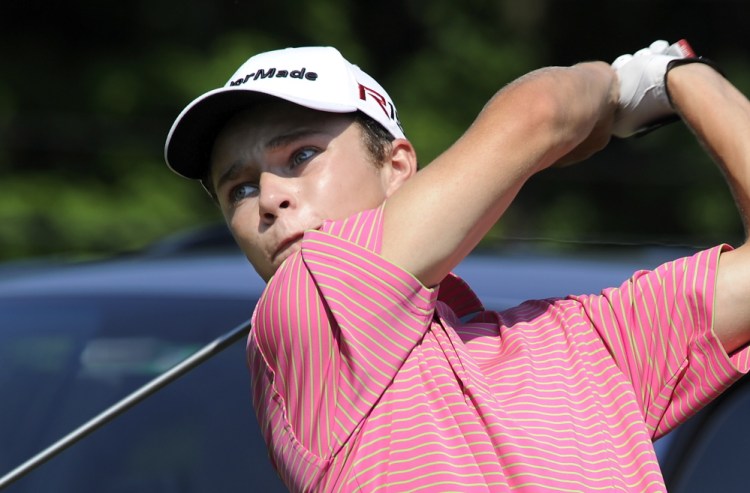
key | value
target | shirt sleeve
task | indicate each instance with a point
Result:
(658, 328)
(331, 330)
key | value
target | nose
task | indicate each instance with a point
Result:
(276, 194)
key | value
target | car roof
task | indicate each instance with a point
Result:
(201, 262)
(206, 263)
(213, 275)
(510, 276)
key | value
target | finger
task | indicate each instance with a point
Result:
(621, 60)
(643, 52)
(659, 47)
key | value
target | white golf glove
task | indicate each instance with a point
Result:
(644, 103)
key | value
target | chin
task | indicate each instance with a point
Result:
(265, 275)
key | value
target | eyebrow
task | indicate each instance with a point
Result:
(285, 139)
(230, 174)
(275, 143)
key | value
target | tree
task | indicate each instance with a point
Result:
(90, 89)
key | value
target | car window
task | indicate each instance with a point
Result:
(63, 361)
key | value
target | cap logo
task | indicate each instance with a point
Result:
(273, 72)
(385, 105)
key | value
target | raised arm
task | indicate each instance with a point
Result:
(435, 219)
(719, 115)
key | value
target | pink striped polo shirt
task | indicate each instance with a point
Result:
(365, 380)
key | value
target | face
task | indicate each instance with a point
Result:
(284, 169)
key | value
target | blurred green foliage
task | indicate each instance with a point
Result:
(89, 90)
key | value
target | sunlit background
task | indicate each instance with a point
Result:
(89, 89)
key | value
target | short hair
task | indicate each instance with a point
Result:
(376, 139)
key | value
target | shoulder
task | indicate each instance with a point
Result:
(364, 229)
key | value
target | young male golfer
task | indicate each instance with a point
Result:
(376, 369)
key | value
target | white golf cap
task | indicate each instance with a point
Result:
(316, 77)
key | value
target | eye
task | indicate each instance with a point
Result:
(242, 191)
(302, 156)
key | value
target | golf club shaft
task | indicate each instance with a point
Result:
(129, 401)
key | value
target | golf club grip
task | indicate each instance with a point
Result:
(684, 48)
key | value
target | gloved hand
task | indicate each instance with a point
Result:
(644, 103)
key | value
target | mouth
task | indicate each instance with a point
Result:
(285, 247)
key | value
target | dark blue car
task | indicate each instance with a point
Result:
(77, 338)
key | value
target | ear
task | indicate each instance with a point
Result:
(400, 166)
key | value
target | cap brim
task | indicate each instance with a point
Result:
(188, 147)
(190, 141)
